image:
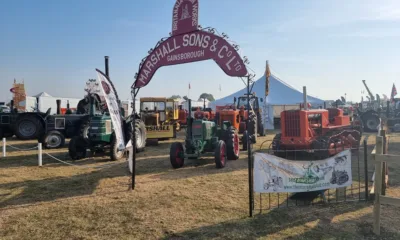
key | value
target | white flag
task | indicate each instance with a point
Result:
(113, 108)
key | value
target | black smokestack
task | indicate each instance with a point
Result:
(58, 106)
(106, 63)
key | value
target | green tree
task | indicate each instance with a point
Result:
(175, 97)
(207, 96)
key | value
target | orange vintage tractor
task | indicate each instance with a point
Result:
(206, 114)
(237, 115)
(182, 116)
(325, 132)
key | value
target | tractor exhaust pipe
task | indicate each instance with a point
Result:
(106, 66)
(58, 101)
(189, 121)
(12, 106)
(305, 98)
(37, 104)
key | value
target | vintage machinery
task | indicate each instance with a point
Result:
(182, 116)
(160, 117)
(206, 137)
(206, 114)
(237, 115)
(95, 132)
(327, 131)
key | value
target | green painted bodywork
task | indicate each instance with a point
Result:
(100, 128)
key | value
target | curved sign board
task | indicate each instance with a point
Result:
(190, 44)
(192, 47)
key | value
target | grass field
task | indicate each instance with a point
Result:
(198, 201)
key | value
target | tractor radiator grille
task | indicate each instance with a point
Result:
(292, 124)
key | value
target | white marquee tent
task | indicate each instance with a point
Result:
(280, 94)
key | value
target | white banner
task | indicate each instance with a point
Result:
(274, 174)
(113, 108)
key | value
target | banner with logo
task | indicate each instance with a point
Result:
(274, 174)
(113, 108)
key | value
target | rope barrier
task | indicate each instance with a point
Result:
(79, 166)
(21, 149)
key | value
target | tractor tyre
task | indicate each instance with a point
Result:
(176, 155)
(276, 146)
(84, 128)
(28, 127)
(141, 135)
(260, 125)
(220, 154)
(77, 148)
(252, 129)
(232, 144)
(115, 154)
(245, 139)
(371, 122)
(53, 139)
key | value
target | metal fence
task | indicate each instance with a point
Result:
(358, 191)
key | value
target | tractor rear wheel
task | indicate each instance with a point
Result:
(253, 127)
(84, 128)
(371, 122)
(245, 139)
(115, 154)
(77, 148)
(220, 154)
(53, 139)
(276, 146)
(28, 127)
(176, 155)
(232, 144)
(140, 134)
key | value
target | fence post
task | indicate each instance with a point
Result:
(4, 147)
(378, 186)
(384, 164)
(366, 168)
(40, 154)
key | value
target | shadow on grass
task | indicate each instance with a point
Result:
(301, 223)
(34, 191)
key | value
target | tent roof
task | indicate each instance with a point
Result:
(42, 94)
(280, 93)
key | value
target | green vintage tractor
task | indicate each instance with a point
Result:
(96, 131)
(206, 138)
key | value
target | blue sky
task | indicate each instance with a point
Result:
(328, 46)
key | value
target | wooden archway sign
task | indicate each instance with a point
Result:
(188, 42)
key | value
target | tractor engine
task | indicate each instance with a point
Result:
(203, 135)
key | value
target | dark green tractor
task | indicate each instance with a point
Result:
(206, 138)
(96, 134)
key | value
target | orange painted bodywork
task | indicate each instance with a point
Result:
(300, 127)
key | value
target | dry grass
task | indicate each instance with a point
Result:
(196, 202)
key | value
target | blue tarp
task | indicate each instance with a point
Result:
(280, 93)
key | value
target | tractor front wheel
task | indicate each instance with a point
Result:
(77, 148)
(176, 155)
(232, 144)
(53, 139)
(115, 154)
(220, 154)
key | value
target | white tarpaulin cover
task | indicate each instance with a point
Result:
(113, 108)
(274, 174)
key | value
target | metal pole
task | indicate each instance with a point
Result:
(305, 98)
(106, 66)
(40, 154)
(366, 168)
(4, 147)
(249, 157)
(134, 141)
